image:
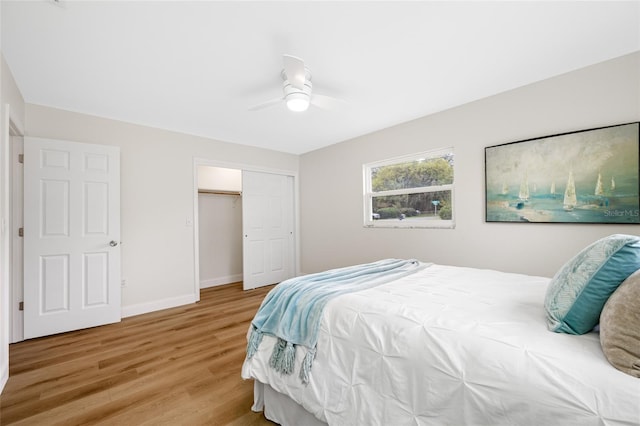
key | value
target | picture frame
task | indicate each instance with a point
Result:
(586, 176)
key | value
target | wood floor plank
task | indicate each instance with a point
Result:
(173, 367)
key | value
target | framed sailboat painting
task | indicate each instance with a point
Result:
(588, 176)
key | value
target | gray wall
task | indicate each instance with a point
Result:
(332, 233)
(10, 94)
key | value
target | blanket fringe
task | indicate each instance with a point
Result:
(254, 342)
(288, 358)
(276, 355)
(283, 357)
(307, 362)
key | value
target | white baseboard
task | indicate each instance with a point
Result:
(4, 377)
(220, 281)
(157, 305)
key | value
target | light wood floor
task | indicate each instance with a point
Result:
(179, 366)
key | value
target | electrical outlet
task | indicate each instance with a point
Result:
(123, 282)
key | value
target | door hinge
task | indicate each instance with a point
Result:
(21, 158)
(20, 232)
(21, 306)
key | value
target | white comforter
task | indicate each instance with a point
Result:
(455, 346)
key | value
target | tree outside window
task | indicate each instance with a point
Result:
(415, 191)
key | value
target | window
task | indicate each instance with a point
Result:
(415, 191)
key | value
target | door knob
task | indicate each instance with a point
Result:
(113, 243)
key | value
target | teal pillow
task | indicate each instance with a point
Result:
(577, 293)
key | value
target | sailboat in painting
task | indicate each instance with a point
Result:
(570, 198)
(552, 190)
(599, 189)
(613, 184)
(505, 189)
(523, 195)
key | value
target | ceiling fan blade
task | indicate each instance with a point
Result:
(327, 102)
(266, 104)
(294, 70)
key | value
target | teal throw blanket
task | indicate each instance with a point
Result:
(292, 310)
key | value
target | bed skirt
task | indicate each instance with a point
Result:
(280, 408)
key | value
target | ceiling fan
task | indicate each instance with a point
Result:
(296, 88)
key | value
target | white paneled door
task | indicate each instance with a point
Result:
(267, 225)
(71, 236)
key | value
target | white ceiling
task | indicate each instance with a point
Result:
(196, 67)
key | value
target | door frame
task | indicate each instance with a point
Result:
(17, 254)
(11, 127)
(243, 167)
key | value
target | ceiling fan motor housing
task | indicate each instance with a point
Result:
(297, 99)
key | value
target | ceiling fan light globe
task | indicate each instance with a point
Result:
(297, 102)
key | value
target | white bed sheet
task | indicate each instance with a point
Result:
(457, 346)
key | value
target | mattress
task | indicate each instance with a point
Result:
(452, 345)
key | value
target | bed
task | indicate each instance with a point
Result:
(448, 345)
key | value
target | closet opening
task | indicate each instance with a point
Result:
(219, 225)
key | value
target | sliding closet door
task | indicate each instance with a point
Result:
(267, 225)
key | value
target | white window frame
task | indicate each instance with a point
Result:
(368, 193)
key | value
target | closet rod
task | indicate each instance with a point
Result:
(217, 192)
